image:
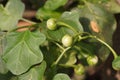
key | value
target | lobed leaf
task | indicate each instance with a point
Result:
(44, 14)
(35, 73)
(10, 15)
(72, 19)
(48, 10)
(114, 6)
(99, 21)
(22, 50)
(49, 5)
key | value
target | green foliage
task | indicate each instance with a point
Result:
(39, 53)
(98, 1)
(100, 23)
(66, 26)
(99, 20)
(23, 51)
(3, 68)
(113, 6)
(61, 76)
(49, 9)
(5, 76)
(11, 14)
(116, 63)
(44, 14)
(72, 19)
(35, 73)
(69, 59)
(58, 3)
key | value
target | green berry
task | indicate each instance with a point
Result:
(67, 40)
(79, 69)
(51, 24)
(92, 60)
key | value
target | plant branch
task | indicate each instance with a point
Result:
(64, 65)
(21, 28)
(68, 26)
(58, 59)
(101, 41)
(26, 20)
(59, 46)
(110, 48)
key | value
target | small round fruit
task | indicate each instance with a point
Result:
(67, 40)
(92, 60)
(79, 69)
(116, 63)
(51, 24)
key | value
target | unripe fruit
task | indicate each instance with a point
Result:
(79, 69)
(92, 60)
(51, 24)
(67, 40)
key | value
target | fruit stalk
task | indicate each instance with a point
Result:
(58, 59)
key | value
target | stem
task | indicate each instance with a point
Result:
(21, 28)
(68, 26)
(110, 48)
(59, 46)
(26, 20)
(64, 65)
(80, 35)
(58, 59)
(2, 35)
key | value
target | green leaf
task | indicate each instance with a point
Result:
(114, 6)
(51, 54)
(99, 21)
(10, 15)
(116, 63)
(3, 68)
(6, 76)
(22, 50)
(61, 76)
(85, 49)
(44, 14)
(35, 73)
(103, 53)
(54, 4)
(98, 1)
(72, 19)
(14, 78)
